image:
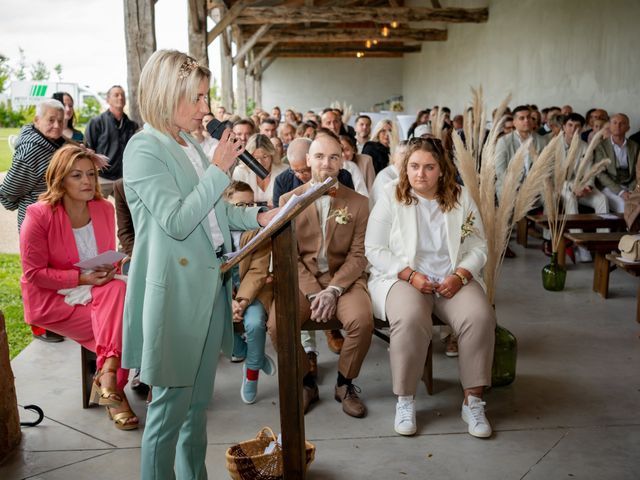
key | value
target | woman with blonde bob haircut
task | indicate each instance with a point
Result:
(262, 149)
(177, 314)
(71, 223)
(426, 246)
(383, 143)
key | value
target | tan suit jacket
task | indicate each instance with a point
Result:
(254, 272)
(345, 243)
(611, 177)
(365, 164)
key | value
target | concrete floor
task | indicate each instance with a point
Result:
(571, 413)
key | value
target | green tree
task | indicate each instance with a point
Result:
(5, 72)
(58, 69)
(20, 71)
(90, 109)
(39, 71)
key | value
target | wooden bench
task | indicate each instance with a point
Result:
(379, 327)
(599, 244)
(632, 269)
(584, 221)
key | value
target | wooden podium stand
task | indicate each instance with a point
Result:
(285, 263)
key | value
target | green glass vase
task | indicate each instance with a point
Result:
(503, 371)
(554, 275)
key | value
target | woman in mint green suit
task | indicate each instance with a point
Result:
(177, 314)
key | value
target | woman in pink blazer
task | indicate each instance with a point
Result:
(71, 222)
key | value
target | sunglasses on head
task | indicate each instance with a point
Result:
(434, 142)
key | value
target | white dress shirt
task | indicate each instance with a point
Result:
(432, 256)
(621, 153)
(196, 161)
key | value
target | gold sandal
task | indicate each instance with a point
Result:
(120, 419)
(104, 396)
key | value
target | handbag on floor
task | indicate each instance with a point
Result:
(249, 461)
(630, 247)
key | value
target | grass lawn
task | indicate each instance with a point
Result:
(19, 333)
(5, 151)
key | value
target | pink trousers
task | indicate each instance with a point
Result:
(97, 326)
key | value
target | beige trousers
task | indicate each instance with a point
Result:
(354, 312)
(468, 313)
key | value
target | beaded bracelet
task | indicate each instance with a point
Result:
(413, 274)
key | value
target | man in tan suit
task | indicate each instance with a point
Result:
(618, 179)
(331, 263)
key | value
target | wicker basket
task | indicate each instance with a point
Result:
(247, 460)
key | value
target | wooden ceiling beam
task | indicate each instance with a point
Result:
(227, 19)
(353, 35)
(302, 48)
(350, 55)
(292, 15)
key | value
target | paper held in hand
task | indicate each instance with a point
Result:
(294, 203)
(105, 258)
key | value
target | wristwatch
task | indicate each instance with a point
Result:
(462, 278)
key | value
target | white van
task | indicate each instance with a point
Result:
(25, 93)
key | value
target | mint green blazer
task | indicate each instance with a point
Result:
(174, 271)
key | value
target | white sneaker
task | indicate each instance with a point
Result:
(473, 415)
(405, 423)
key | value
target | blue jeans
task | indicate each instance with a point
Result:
(255, 331)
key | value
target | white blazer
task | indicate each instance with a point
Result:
(392, 238)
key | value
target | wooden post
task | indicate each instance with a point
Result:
(10, 433)
(257, 86)
(226, 71)
(289, 369)
(248, 45)
(241, 81)
(140, 37)
(198, 31)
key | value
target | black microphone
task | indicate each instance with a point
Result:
(216, 129)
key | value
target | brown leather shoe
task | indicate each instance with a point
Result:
(335, 340)
(313, 364)
(351, 403)
(309, 395)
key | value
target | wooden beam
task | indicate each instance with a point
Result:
(329, 35)
(436, 3)
(241, 78)
(350, 55)
(251, 42)
(198, 31)
(292, 15)
(140, 39)
(265, 51)
(226, 72)
(301, 48)
(267, 64)
(227, 19)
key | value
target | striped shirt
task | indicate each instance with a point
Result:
(25, 180)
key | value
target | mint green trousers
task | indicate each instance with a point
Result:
(175, 433)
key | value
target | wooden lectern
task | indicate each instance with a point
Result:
(285, 263)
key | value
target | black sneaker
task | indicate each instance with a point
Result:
(49, 337)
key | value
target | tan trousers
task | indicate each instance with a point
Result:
(468, 313)
(356, 316)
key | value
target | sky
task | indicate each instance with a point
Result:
(86, 36)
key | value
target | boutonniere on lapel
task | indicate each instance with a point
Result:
(341, 215)
(467, 228)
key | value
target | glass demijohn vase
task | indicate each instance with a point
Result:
(503, 371)
(554, 275)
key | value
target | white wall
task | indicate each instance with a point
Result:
(313, 83)
(547, 52)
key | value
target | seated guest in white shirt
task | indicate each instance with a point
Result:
(619, 178)
(589, 196)
(263, 151)
(435, 271)
(388, 174)
(348, 163)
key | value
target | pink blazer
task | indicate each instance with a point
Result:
(48, 252)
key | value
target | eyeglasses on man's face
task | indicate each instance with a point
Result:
(250, 204)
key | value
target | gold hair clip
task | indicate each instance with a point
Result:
(187, 67)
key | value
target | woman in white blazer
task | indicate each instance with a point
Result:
(426, 246)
